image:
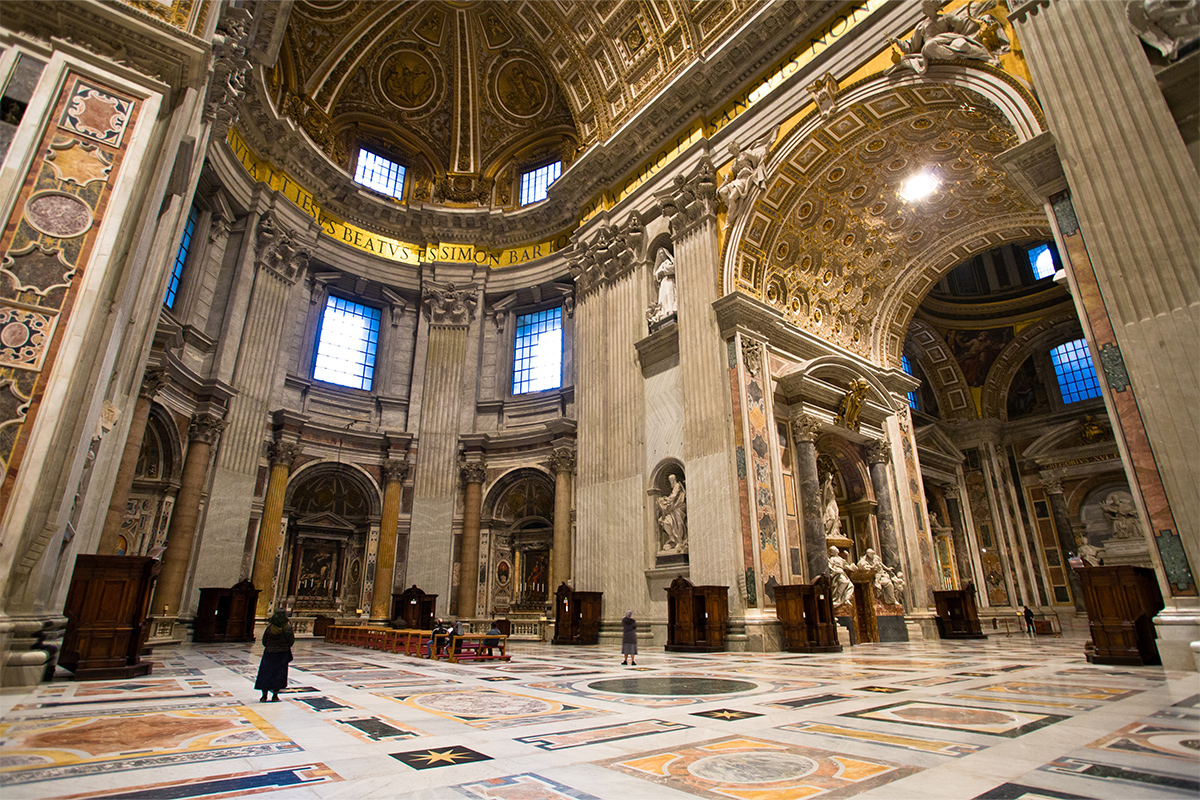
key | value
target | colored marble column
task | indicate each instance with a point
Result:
(473, 472)
(1066, 535)
(154, 379)
(805, 430)
(562, 464)
(879, 455)
(270, 537)
(962, 554)
(202, 435)
(394, 473)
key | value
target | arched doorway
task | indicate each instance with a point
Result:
(519, 517)
(155, 482)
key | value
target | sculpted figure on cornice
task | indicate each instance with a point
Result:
(230, 65)
(449, 306)
(748, 173)
(965, 33)
(1166, 25)
(851, 405)
(278, 250)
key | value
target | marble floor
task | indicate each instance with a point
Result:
(1001, 719)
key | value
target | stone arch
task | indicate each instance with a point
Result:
(517, 515)
(929, 349)
(1028, 342)
(845, 370)
(813, 234)
(353, 474)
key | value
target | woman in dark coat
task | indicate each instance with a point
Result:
(277, 645)
(629, 639)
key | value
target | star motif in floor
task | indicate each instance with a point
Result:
(726, 714)
(439, 757)
(879, 689)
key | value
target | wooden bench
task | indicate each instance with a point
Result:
(472, 647)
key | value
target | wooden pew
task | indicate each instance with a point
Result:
(471, 647)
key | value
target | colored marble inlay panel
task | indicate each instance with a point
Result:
(762, 483)
(748, 768)
(726, 714)
(234, 784)
(814, 700)
(743, 482)
(377, 729)
(1089, 692)
(1155, 740)
(606, 733)
(490, 709)
(41, 749)
(922, 745)
(1016, 791)
(1110, 774)
(1010, 724)
(96, 114)
(440, 757)
(1057, 705)
(527, 786)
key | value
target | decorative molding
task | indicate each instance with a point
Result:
(283, 453)
(1052, 484)
(562, 460)
(205, 429)
(1113, 365)
(805, 428)
(395, 470)
(473, 471)
(449, 306)
(278, 250)
(154, 380)
(878, 451)
(611, 254)
(691, 200)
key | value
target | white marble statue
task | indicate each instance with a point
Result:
(885, 587)
(664, 273)
(673, 516)
(1090, 554)
(830, 515)
(839, 583)
(961, 34)
(1123, 516)
(1166, 25)
(748, 172)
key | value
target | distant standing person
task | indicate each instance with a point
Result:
(1029, 620)
(277, 653)
(629, 639)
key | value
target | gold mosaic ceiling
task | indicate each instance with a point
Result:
(466, 92)
(830, 236)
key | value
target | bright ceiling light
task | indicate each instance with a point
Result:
(919, 186)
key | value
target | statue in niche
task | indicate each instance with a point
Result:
(747, 172)
(851, 405)
(830, 515)
(664, 272)
(1123, 517)
(961, 34)
(839, 583)
(672, 516)
(885, 583)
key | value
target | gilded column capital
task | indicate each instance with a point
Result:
(805, 428)
(878, 451)
(283, 453)
(449, 306)
(472, 471)
(562, 460)
(395, 470)
(154, 380)
(205, 429)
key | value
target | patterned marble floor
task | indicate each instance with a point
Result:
(1006, 719)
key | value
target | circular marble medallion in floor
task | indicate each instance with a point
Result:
(671, 686)
(753, 767)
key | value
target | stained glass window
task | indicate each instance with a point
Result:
(346, 344)
(1076, 374)
(537, 354)
(535, 182)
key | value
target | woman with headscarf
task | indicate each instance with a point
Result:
(629, 639)
(277, 652)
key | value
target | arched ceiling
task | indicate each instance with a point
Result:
(830, 237)
(466, 93)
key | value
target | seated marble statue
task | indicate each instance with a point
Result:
(885, 588)
(840, 585)
(960, 34)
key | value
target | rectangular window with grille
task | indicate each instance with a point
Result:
(1076, 374)
(346, 344)
(185, 244)
(376, 172)
(535, 182)
(537, 352)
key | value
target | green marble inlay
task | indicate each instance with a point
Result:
(1175, 562)
(670, 687)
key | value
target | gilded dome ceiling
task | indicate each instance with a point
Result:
(468, 94)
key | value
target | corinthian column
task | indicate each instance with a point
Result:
(879, 455)
(394, 473)
(805, 430)
(202, 435)
(473, 472)
(562, 464)
(270, 537)
(1066, 535)
(154, 379)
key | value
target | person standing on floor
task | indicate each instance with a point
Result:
(629, 639)
(277, 653)
(1029, 620)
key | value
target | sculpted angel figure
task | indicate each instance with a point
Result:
(748, 172)
(673, 516)
(962, 33)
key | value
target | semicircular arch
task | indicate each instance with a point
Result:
(1040, 336)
